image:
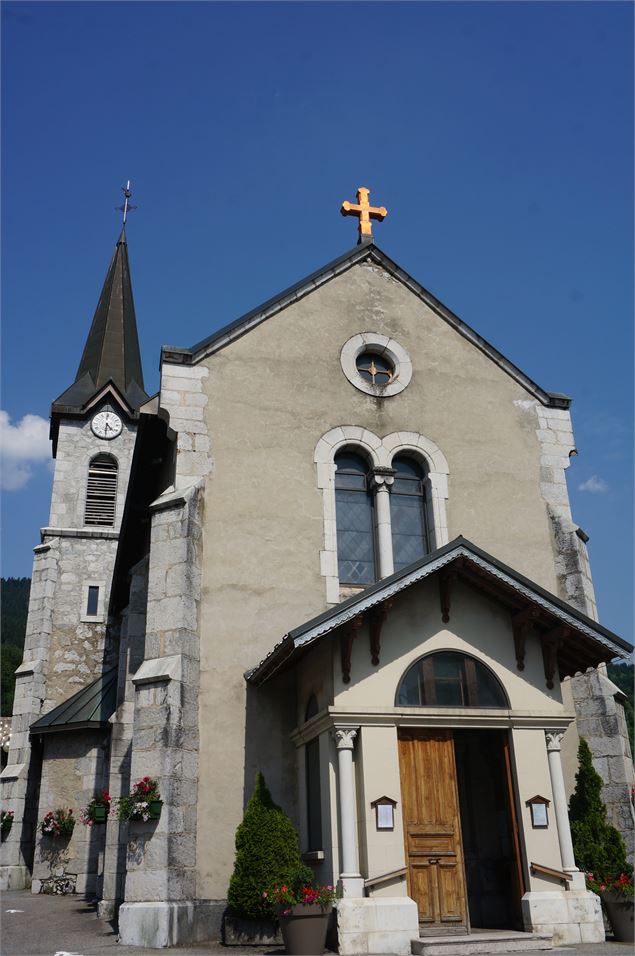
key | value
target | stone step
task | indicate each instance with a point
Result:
(479, 943)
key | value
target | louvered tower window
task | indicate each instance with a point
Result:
(101, 493)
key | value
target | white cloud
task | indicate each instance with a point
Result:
(22, 446)
(594, 484)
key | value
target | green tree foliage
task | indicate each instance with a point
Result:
(15, 605)
(267, 855)
(11, 658)
(623, 676)
(597, 846)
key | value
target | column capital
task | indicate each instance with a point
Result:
(345, 737)
(554, 739)
(383, 478)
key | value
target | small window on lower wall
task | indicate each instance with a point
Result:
(450, 679)
(92, 602)
(313, 795)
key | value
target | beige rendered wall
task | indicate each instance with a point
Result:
(413, 627)
(270, 396)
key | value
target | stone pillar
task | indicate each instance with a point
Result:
(554, 739)
(350, 880)
(383, 479)
(160, 887)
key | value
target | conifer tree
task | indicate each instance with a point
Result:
(597, 846)
(267, 854)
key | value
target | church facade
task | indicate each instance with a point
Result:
(335, 547)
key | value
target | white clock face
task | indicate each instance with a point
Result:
(106, 425)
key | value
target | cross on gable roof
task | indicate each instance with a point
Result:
(366, 251)
(571, 641)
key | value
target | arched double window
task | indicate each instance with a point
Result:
(101, 491)
(355, 519)
(450, 679)
(356, 516)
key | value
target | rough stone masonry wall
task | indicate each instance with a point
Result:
(17, 777)
(74, 769)
(80, 649)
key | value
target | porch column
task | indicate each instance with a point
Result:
(554, 738)
(383, 478)
(351, 880)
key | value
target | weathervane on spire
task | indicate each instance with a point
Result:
(127, 206)
(365, 211)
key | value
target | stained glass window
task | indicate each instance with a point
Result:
(408, 512)
(354, 514)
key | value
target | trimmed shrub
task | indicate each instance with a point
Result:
(597, 846)
(267, 854)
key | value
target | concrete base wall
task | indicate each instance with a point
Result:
(574, 916)
(156, 925)
(14, 878)
(377, 925)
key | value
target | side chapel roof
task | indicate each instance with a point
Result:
(88, 709)
(580, 641)
(365, 251)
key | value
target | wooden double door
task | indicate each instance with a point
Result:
(460, 836)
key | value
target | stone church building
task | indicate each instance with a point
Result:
(336, 547)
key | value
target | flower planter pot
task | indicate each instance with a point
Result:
(100, 814)
(304, 929)
(154, 809)
(620, 913)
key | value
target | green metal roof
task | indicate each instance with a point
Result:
(88, 709)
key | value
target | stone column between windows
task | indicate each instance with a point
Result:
(554, 739)
(351, 881)
(383, 479)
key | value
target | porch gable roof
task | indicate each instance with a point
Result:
(580, 642)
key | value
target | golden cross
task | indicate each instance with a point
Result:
(365, 211)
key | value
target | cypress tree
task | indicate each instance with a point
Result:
(267, 855)
(597, 846)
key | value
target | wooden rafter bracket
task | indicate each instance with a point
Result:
(521, 622)
(447, 578)
(551, 642)
(377, 616)
(346, 646)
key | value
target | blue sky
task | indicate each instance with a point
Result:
(499, 136)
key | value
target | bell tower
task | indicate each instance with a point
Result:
(69, 653)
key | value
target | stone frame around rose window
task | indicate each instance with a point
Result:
(380, 345)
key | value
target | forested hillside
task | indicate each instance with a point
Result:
(14, 594)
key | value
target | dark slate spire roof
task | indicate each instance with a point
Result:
(111, 353)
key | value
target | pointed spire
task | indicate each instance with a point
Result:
(112, 351)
